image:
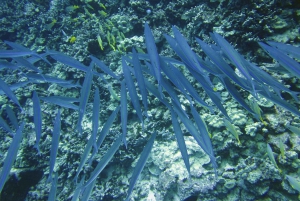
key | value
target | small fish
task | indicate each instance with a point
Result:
(293, 182)
(232, 130)
(294, 129)
(271, 157)
(282, 149)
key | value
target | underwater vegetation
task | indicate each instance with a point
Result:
(144, 78)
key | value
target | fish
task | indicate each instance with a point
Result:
(84, 156)
(271, 157)
(88, 190)
(237, 59)
(6, 89)
(237, 96)
(37, 118)
(294, 129)
(84, 96)
(293, 182)
(104, 161)
(190, 58)
(5, 126)
(140, 164)
(187, 85)
(132, 91)
(107, 126)
(152, 89)
(11, 155)
(207, 145)
(264, 78)
(288, 49)
(14, 53)
(190, 127)
(282, 149)
(153, 54)
(217, 59)
(105, 130)
(70, 61)
(180, 140)
(167, 86)
(16, 86)
(12, 117)
(53, 189)
(77, 191)
(61, 102)
(124, 112)
(288, 63)
(23, 62)
(46, 78)
(6, 64)
(103, 67)
(232, 130)
(275, 99)
(67, 60)
(140, 79)
(95, 122)
(54, 144)
(25, 49)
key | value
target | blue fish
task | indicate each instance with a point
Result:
(5, 126)
(153, 54)
(124, 112)
(140, 165)
(205, 138)
(54, 144)
(11, 155)
(288, 49)
(103, 67)
(132, 91)
(96, 112)
(105, 130)
(25, 49)
(222, 65)
(180, 140)
(288, 63)
(235, 58)
(84, 95)
(14, 53)
(104, 161)
(60, 101)
(12, 117)
(6, 89)
(53, 189)
(37, 117)
(140, 79)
